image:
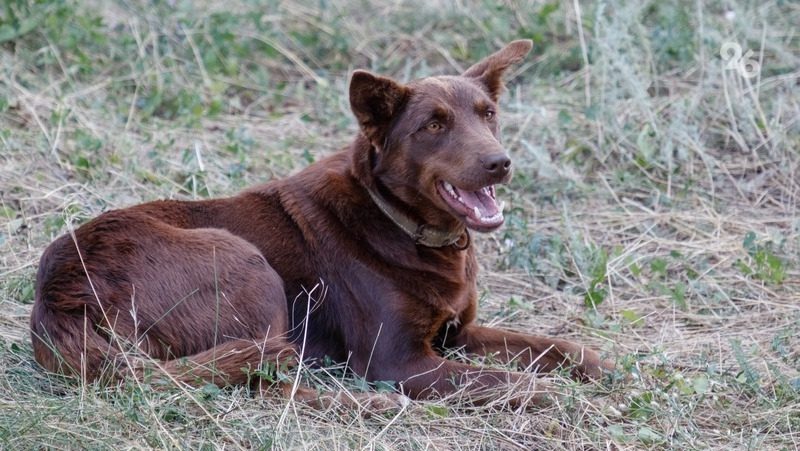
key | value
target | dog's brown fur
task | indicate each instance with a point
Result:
(218, 287)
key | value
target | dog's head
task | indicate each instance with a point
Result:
(434, 142)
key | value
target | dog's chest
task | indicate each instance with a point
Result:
(454, 322)
(451, 312)
(451, 299)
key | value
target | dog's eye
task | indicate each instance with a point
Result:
(489, 115)
(433, 126)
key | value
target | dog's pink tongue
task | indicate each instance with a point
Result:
(480, 199)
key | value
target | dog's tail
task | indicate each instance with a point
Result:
(68, 343)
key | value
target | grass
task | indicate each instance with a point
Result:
(653, 214)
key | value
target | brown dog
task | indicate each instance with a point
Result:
(363, 257)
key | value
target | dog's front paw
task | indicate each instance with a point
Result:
(368, 403)
(591, 367)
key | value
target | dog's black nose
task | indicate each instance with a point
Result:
(497, 164)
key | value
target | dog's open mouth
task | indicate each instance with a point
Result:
(479, 208)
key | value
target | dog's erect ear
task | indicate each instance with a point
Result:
(489, 71)
(375, 100)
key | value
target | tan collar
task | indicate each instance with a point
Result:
(421, 233)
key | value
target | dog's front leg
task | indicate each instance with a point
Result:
(531, 351)
(435, 377)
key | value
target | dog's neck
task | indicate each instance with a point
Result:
(422, 233)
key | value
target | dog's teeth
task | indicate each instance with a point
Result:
(501, 205)
(491, 219)
(477, 212)
(449, 188)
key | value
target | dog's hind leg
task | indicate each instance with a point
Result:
(127, 288)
